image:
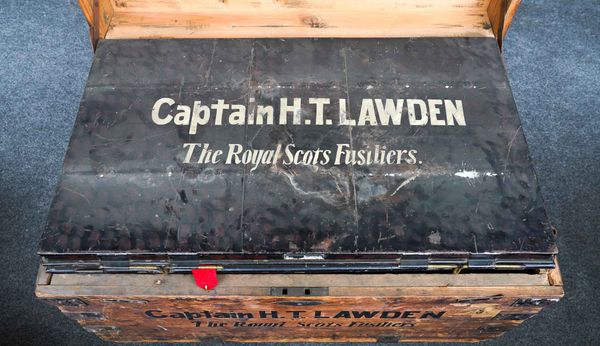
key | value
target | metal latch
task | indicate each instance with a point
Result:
(299, 291)
(304, 256)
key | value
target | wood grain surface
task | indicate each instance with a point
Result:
(359, 308)
(292, 18)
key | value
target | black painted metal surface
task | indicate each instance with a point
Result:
(128, 192)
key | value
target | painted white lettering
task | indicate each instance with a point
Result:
(413, 119)
(196, 118)
(344, 114)
(219, 107)
(156, 111)
(434, 111)
(367, 113)
(238, 115)
(319, 103)
(454, 112)
(390, 111)
(296, 110)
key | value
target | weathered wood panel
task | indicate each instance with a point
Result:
(287, 18)
(307, 18)
(293, 18)
(98, 14)
(501, 13)
(367, 308)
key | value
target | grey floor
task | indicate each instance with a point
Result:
(552, 55)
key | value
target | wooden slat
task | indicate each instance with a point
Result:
(86, 8)
(179, 281)
(178, 6)
(113, 291)
(510, 14)
(98, 14)
(501, 13)
(554, 276)
(297, 18)
(179, 285)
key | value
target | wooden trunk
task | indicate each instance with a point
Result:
(301, 308)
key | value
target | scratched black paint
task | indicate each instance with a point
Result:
(124, 188)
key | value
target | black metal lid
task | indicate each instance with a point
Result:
(448, 175)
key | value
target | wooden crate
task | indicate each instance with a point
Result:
(301, 308)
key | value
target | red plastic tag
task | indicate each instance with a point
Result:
(206, 278)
